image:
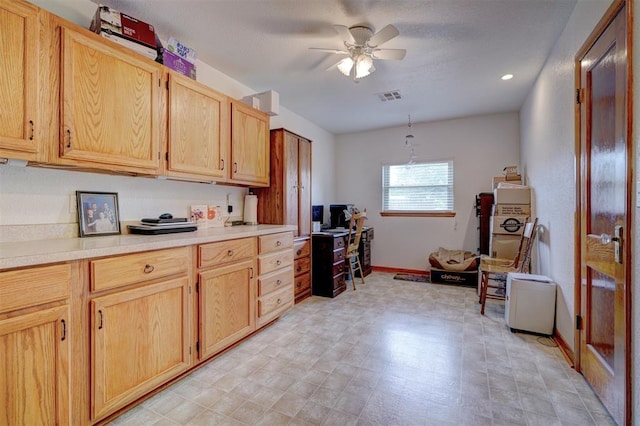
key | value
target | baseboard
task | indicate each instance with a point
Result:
(565, 349)
(402, 270)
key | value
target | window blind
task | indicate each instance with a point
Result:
(420, 187)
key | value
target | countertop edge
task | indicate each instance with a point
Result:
(40, 252)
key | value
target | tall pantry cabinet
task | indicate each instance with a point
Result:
(288, 199)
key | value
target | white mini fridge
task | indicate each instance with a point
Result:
(530, 303)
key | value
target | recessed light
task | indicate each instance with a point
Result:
(507, 77)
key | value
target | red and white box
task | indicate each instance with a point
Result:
(109, 20)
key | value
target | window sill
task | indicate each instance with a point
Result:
(416, 214)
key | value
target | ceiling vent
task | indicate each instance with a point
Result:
(392, 95)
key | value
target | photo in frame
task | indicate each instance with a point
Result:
(98, 213)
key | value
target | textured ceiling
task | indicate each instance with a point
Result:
(456, 52)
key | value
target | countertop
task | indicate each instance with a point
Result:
(29, 253)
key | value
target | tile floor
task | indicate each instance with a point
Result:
(391, 353)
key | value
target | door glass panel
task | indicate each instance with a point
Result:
(602, 306)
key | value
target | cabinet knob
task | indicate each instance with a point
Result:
(279, 301)
(298, 284)
(230, 253)
(299, 268)
(278, 243)
(148, 268)
(278, 262)
(299, 252)
(278, 282)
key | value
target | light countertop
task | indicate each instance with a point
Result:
(29, 253)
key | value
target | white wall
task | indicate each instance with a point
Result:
(480, 147)
(39, 196)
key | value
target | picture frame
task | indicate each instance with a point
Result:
(98, 213)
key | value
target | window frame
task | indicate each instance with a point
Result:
(419, 213)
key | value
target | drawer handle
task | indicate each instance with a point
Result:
(100, 326)
(251, 273)
(64, 329)
(278, 282)
(299, 268)
(278, 243)
(279, 301)
(299, 252)
(298, 284)
(148, 268)
(278, 262)
(31, 135)
(222, 163)
(230, 253)
(340, 268)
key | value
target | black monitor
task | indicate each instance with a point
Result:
(317, 213)
(338, 219)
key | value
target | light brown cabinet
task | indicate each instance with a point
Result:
(302, 268)
(140, 330)
(34, 343)
(110, 105)
(198, 139)
(20, 123)
(249, 145)
(275, 285)
(226, 294)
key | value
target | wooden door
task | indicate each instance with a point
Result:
(249, 145)
(18, 79)
(139, 339)
(605, 185)
(304, 187)
(291, 180)
(34, 377)
(199, 141)
(110, 105)
(227, 300)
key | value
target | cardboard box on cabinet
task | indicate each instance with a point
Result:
(112, 21)
(178, 64)
(508, 225)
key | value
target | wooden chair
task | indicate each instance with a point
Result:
(496, 269)
(357, 222)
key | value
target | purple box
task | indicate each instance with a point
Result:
(178, 64)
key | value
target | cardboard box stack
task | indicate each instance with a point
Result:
(511, 211)
(180, 58)
(126, 31)
(510, 175)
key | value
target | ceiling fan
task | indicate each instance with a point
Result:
(362, 47)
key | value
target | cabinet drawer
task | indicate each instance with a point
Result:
(301, 265)
(338, 268)
(338, 242)
(302, 248)
(274, 281)
(137, 267)
(271, 262)
(302, 283)
(338, 255)
(34, 286)
(275, 301)
(275, 242)
(338, 282)
(224, 252)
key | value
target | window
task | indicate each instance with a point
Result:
(418, 188)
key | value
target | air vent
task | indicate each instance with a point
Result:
(392, 95)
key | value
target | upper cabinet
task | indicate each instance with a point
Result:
(110, 105)
(19, 48)
(249, 145)
(198, 137)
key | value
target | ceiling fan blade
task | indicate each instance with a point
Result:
(383, 36)
(394, 54)
(345, 34)
(334, 66)
(322, 49)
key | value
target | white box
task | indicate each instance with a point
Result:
(530, 303)
(508, 225)
(521, 195)
(269, 102)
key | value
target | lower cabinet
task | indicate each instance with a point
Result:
(328, 252)
(139, 339)
(302, 268)
(275, 287)
(227, 304)
(34, 346)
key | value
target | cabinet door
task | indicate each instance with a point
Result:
(34, 377)
(18, 79)
(304, 187)
(198, 130)
(227, 306)
(139, 339)
(110, 106)
(291, 184)
(249, 145)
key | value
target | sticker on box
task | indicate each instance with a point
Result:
(179, 49)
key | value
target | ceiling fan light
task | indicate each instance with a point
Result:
(345, 66)
(364, 66)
